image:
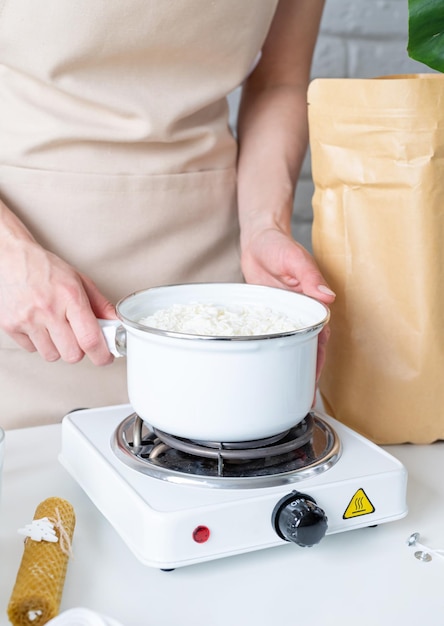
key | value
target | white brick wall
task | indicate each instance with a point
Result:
(358, 39)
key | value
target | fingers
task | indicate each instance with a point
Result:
(274, 258)
(36, 340)
(67, 342)
(86, 327)
(311, 283)
(44, 345)
(61, 341)
(307, 274)
(101, 306)
(49, 307)
(90, 338)
(23, 341)
(63, 334)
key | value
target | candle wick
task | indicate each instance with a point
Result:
(64, 540)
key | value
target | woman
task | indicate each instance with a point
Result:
(118, 171)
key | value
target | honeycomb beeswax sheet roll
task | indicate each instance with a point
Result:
(38, 588)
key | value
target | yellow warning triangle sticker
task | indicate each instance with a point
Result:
(359, 505)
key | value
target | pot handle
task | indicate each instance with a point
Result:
(115, 336)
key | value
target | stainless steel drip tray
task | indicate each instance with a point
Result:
(310, 448)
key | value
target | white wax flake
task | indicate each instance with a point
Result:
(33, 615)
(218, 321)
(40, 530)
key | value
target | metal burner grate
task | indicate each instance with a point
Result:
(311, 447)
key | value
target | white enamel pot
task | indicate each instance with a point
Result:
(219, 389)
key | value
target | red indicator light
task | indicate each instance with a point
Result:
(201, 534)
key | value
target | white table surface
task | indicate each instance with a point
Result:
(356, 578)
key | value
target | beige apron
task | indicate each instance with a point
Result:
(115, 152)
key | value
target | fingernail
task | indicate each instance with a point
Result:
(326, 290)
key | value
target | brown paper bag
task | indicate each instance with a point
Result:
(377, 149)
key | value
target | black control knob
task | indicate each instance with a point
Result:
(298, 518)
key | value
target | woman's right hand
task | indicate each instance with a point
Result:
(45, 304)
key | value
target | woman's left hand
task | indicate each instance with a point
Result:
(273, 258)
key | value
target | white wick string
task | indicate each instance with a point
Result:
(65, 541)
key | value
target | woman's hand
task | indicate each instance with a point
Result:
(45, 304)
(273, 258)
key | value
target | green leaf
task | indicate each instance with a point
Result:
(426, 32)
